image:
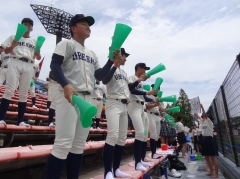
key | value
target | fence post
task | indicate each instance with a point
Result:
(230, 127)
(220, 131)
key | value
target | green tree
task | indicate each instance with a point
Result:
(185, 111)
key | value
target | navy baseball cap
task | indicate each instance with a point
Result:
(78, 17)
(124, 52)
(142, 65)
(30, 21)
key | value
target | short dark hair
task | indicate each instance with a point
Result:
(179, 118)
(1, 47)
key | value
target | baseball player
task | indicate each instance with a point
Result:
(136, 112)
(4, 59)
(74, 67)
(154, 123)
(53, 87)
(20, 67)
(32, 88)
(118, 86)
(97, 100)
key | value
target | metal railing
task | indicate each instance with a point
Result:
(225, 112)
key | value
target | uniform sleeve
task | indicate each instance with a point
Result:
(8, 42)
(130, 79)
(64, 48)
(96, 64)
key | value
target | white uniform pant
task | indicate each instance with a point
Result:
(99, 105)
(50, 93)
(117, 122)
(154, 126)
(136, 112)
(18, 72)
(53, 88)
(146, 127)
(32, 91)
(3, 74)
(70, 135)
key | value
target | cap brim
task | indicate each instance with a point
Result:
(127, 54)
(147, 68)
(90, 20)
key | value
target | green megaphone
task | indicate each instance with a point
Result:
(167, 116)
(120, 34)
(174, 124)
(172, 98)
(159, 94)
(156, 69)
(147, 87)
(84, 110)
(174, 109)
(39, 43)
(31, 83)
(158, 83)
(21, 29)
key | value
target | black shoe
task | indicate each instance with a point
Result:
(178, 166)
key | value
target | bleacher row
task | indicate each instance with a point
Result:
(9, 155)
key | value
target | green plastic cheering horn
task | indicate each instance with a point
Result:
(174, 109)
(21, 30)
(84, 110)
(172, 98)
(121, 33)
(147, 87)
(157, 83)
(39, 43)
(156, 69)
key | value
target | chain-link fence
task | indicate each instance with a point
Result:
(225, 111)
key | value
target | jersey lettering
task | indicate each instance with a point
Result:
(6, 57)
(82, 56)
(120, 77)
(139, 86)
(32, 47)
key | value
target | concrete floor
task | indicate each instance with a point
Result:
(88, 171)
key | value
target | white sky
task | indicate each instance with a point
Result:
(196, 40)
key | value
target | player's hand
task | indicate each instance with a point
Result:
(152, 92)
(142, 78)
(37, 55)
(116, 54)
(14, 44)
(68, 92)
(117, 62)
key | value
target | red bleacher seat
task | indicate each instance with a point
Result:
(14, 127)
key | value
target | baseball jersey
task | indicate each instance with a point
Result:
(5, 58)
(24, 49)
(79, 64)
(35, 70)
(179, 127)
(139, 87)
(98, 91)
(117, 87)
(154, 109)
(207, 127)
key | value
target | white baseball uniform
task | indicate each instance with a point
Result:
(3, 70)
(116, 111)
(53, 87)
(97, 98)
(78, 66)
(154, 120)
(32, 88)
(136, 110)
(19, 72)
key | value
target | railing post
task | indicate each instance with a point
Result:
(220, 131)
(230, 126)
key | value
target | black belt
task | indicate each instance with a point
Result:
(124, 101)
(26, 60)
(99, 99)
(85, 92)
(154, 113)
(140, 102)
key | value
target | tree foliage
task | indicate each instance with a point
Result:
(185, 111)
